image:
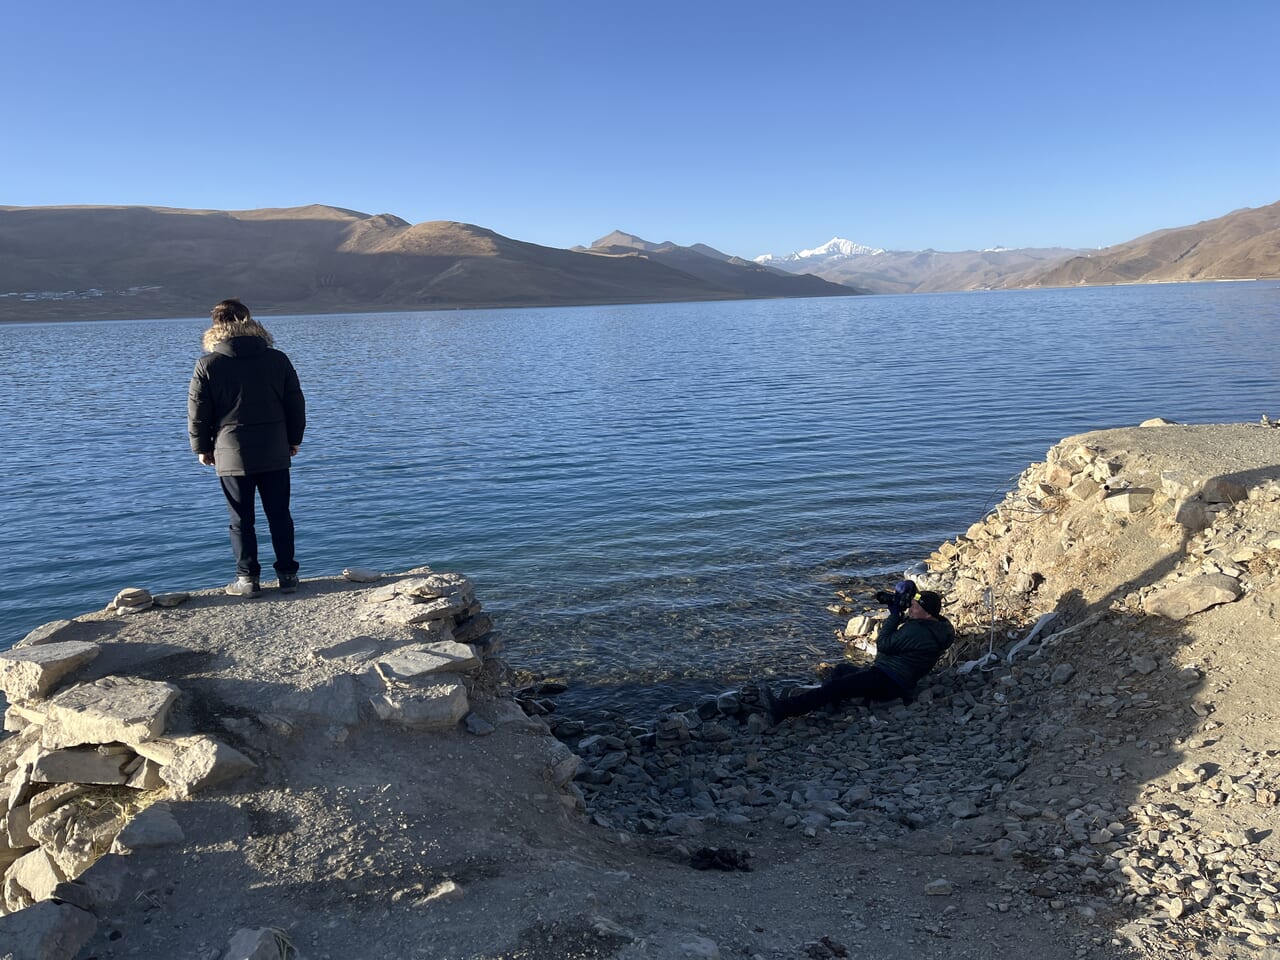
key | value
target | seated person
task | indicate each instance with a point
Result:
(910, 642)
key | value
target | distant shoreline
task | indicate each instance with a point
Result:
(305, 311)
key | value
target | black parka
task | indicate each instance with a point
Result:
(245, 406)
(907, 649)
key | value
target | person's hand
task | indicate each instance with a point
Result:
(206, 459)
(293, 449)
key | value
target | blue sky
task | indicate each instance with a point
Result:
(753, 127)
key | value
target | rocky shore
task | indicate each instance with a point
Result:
(354, 772)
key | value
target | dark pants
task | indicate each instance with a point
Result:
(273, 490)
(845, 683)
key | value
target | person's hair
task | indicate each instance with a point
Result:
(231, 318)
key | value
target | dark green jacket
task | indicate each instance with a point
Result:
(907, 649)
(245, 407)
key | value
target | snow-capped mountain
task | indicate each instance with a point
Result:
(834, 249)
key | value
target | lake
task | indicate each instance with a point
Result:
(644, 495)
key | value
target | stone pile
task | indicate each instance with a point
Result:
(1060, 519)
(424, 685)
(91, 760)
(82, 760)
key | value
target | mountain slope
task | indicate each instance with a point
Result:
(1244, 244)
(122, 262)
(720, 269)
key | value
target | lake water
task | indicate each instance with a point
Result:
(643, 494)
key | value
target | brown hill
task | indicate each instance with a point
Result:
(720, 269)
(122, 262)
(1243, 245)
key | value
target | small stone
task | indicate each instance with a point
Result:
(132, 600)
(1062, 673)
(478, 725)
(683, 825)
(1145, 664)
(357, 575)
(962, 809)
(1132, 500)
(444, 890)
(939, 888)
(261, 943)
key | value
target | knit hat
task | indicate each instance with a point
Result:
(931, 602)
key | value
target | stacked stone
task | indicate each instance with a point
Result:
(81, 761)
(425, 685)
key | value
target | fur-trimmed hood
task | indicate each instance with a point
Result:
(225, 331)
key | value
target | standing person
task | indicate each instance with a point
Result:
(246, 415)
(910, 642)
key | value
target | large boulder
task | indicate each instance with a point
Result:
(1188, 597)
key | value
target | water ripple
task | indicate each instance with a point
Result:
(643, 493)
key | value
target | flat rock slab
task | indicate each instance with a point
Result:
(28, 673)
(436, 706)
(440, 585)
(113, 709)
(35, 873)
(1181, 600)
(153, 827)
(46, 930)
(336, 701)
(80, 765)
(414, 612)
(411, 663)
(203, 762)
(50, 632)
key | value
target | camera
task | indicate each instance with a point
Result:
(904, 591)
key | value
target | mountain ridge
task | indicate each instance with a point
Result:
(125, 262)
(1243, 244)
(77, 262)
